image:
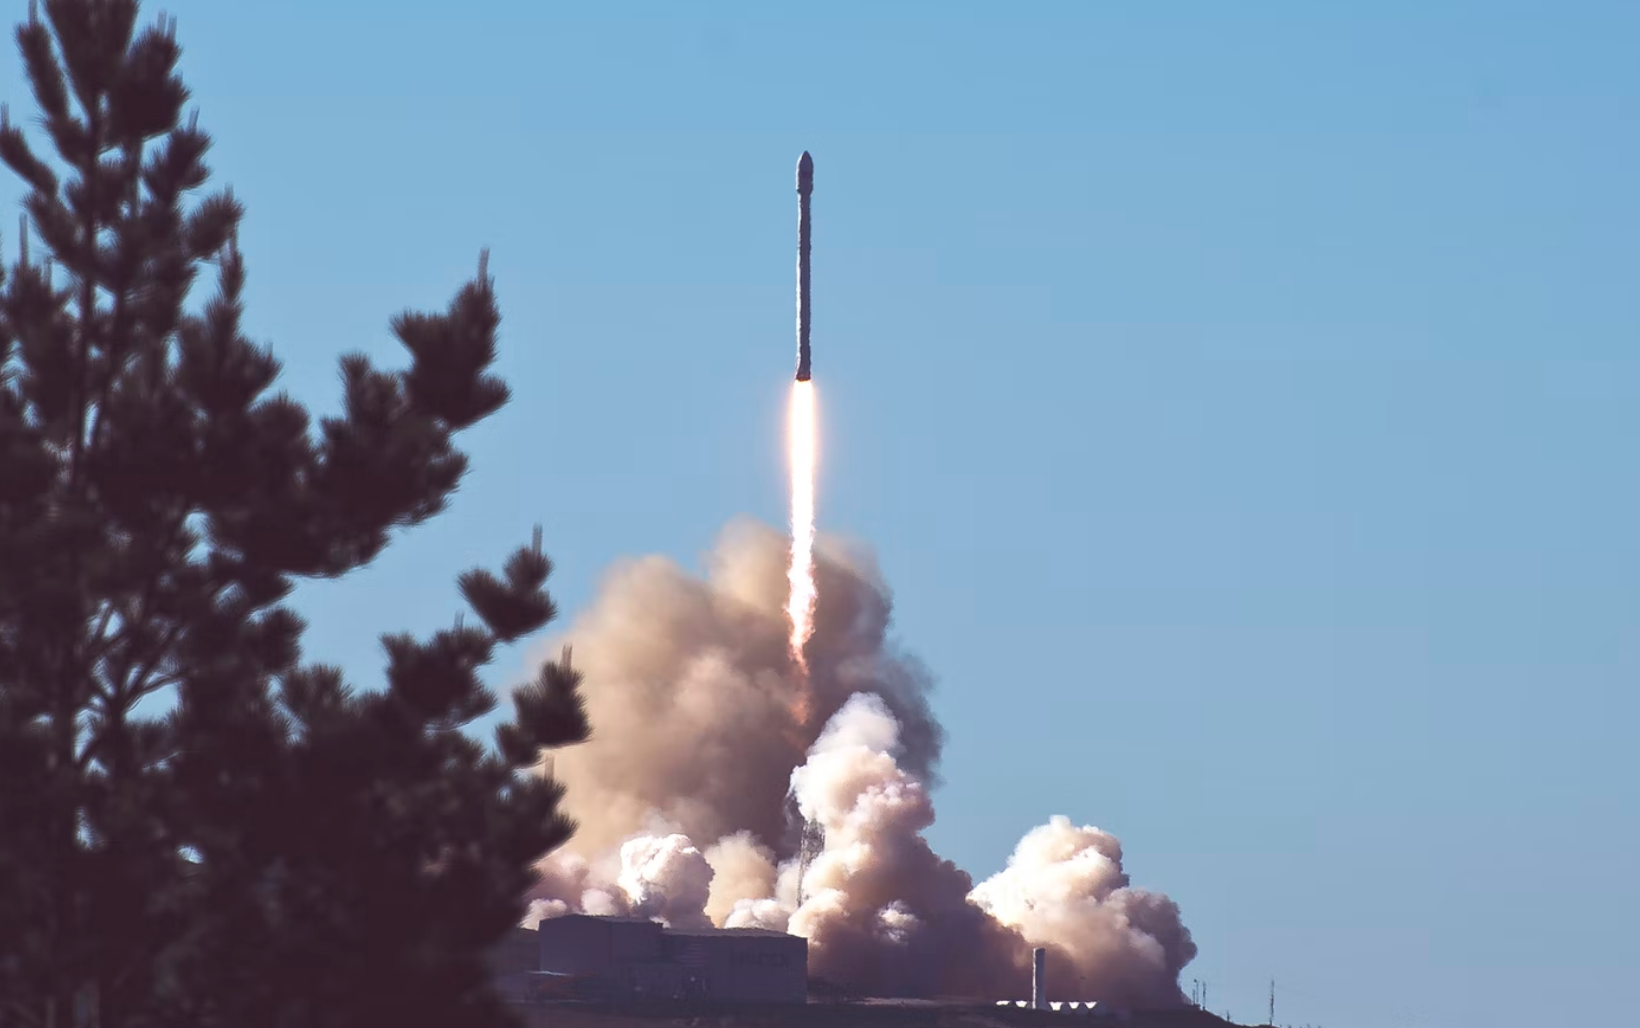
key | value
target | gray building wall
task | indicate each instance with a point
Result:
(580, 944)
(634, 958)
(745, 965)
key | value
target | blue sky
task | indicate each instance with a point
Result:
(1240, 399)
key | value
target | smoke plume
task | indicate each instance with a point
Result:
(693, 792)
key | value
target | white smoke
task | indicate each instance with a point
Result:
(666, 878)
(690, 689)
(1064, 888)
(658, 876)
(881, 911)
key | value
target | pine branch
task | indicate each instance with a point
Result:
(551, 713)
(19, 156)
(124, 419)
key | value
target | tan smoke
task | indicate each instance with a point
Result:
(690, 682)
(741, 867)
(692, 793)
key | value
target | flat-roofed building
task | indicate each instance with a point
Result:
(615, 958)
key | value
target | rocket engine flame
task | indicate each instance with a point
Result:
(802, 430)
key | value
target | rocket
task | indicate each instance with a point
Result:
(805, 186)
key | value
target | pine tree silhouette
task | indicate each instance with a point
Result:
(271, 847)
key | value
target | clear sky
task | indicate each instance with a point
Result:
(1240, 398)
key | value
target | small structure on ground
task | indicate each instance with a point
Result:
(615, 959)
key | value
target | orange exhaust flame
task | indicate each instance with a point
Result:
(801, 434)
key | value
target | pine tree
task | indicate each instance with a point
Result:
(267, 846)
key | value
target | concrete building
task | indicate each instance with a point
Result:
(621, 958)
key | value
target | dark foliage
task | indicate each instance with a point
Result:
(259, 845)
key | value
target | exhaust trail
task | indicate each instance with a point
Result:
(802, 429)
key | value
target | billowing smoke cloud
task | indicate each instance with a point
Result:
(660, 876)
(881, 911)
(741, 867)
(693, 697)
(691, 691)
(1064, 888)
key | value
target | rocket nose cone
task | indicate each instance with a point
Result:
(805, 173)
